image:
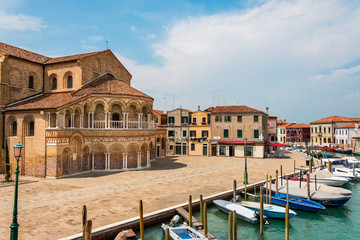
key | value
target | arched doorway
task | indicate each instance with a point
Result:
(65, 162)
(144, 155)
(86, 159)
(76, 144)
(132, 150)
(116, 156)
(99, 151)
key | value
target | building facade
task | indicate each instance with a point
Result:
(281, 131)
(199, 134)
(345, 134)
(230, 125)
(178, 131)
(75, 114)
(298, 133)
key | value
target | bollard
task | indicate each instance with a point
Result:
(315, 184)
(141, 220)
(230, 226)
(294, 168)
(84, 220)
(310, 167)
(300, 178)
(261, 210)
(88, 230)
(277, 181)
(234, 230)
(245, 186)
(267, 190)
(205, 219)
(287, 222)
(234, 193)
(167, 234)
(270, 190)
(281, 175)
(308, 186)
(287, 191)
(201, 209)
(190, 211)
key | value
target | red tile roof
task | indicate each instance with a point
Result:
(299, 125)
(285, 125)
(6, 49)
(351, 125)
(332, 119)
(105, 84)
(233, 109)
(72, 57)
(269, 116)
(280, 122)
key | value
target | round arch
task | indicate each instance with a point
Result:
(65, 161)
(99, 151)
(132, 149)
(116, 151)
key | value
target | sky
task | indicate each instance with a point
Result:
(299, 58)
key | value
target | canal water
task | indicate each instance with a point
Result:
(333, 223)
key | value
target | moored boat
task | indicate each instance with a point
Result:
(325, 177)
(242, 213)
(296, 202)
(182, 231)
(345, 151)
(270, 210)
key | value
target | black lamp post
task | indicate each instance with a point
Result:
(15, 226)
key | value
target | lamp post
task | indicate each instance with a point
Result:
(15, 226)
(245, 173)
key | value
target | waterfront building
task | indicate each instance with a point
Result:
(272, 125)
(230, 125)
(298, 133)
(178, 131)
(345, 134)
(75, 114)
(281, 131)
(322, 132)
(356, 145)
(199, 133)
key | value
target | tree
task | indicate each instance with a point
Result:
(7, 162)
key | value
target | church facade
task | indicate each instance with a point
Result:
(74, 114)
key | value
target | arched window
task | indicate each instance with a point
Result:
(54, 83)
(31, 128)
(69, 82)
(163, 143)
(14, 128)
(31, 82)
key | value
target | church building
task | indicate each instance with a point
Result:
(74, 114)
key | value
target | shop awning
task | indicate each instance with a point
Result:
(277, 145)
(235, 143)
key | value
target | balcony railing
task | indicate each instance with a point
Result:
(116, 124)
(133, 124)
(99, 124)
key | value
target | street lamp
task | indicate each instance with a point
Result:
(245, 173)
(15, 226)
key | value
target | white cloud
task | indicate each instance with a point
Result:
(260, 54)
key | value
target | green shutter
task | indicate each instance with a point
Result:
(226, 133)
(239, 133)
(256, 133)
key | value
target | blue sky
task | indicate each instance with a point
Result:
(300, 58)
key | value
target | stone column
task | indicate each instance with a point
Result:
(92, 162)
(92, 119)
(72, 120)
(149, 120)
(148, 158)
(106, 161)
(49, 120)
(57, 120)
(140, 120)
(64, 124)
(106, 118)
(127, 120)
(124, 117)
(138, 159)
(109, 120)
(89, 116)
(109, 166)
(124, 160)
(70, 160)
(81, 120)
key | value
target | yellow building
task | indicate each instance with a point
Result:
(200, 134)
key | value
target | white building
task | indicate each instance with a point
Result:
(281, 132)
(344, 135)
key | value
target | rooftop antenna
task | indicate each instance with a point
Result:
(107, 42)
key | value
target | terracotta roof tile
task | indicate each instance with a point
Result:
(6, 49)
(233, 109)
(332, 119)
(285, 125)
(72, 57)
(351, 125)
(299, 125)
(105, 84)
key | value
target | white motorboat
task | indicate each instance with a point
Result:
(320, 187)
(340, 170)
(242, 213)
(327, 178)
(183, 231)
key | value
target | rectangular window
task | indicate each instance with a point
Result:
(226, 133)
(256, 118)
(171, 119)
(184, 134)
(222, 150)
(171, 133)
(205, 134)
(256, 133)
(227, 119)
(218, 118)
(184, 119)
(203, 120)
(193, 147)
(194, 120)
(239, 118)
(239, 133)
(192, 133)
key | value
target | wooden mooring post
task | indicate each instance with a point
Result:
(230, 226)
(205, 219)
(267, 190)
(234, 193)
(190, 211)
(234, 225)
(270, 190)
(261, 210)
(201, 209)
(141, 220)
(167, 234)
(281, 175)
(84, 220)
(277, 181)
(88, 228)
(294, 167)
(308, 186)
(245, 197)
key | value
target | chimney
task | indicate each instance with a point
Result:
(198, 107)
(267, 110)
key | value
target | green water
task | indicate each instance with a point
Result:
(332, 223)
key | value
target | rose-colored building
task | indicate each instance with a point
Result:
(298, 133)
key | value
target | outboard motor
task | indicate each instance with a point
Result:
(174, 220)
